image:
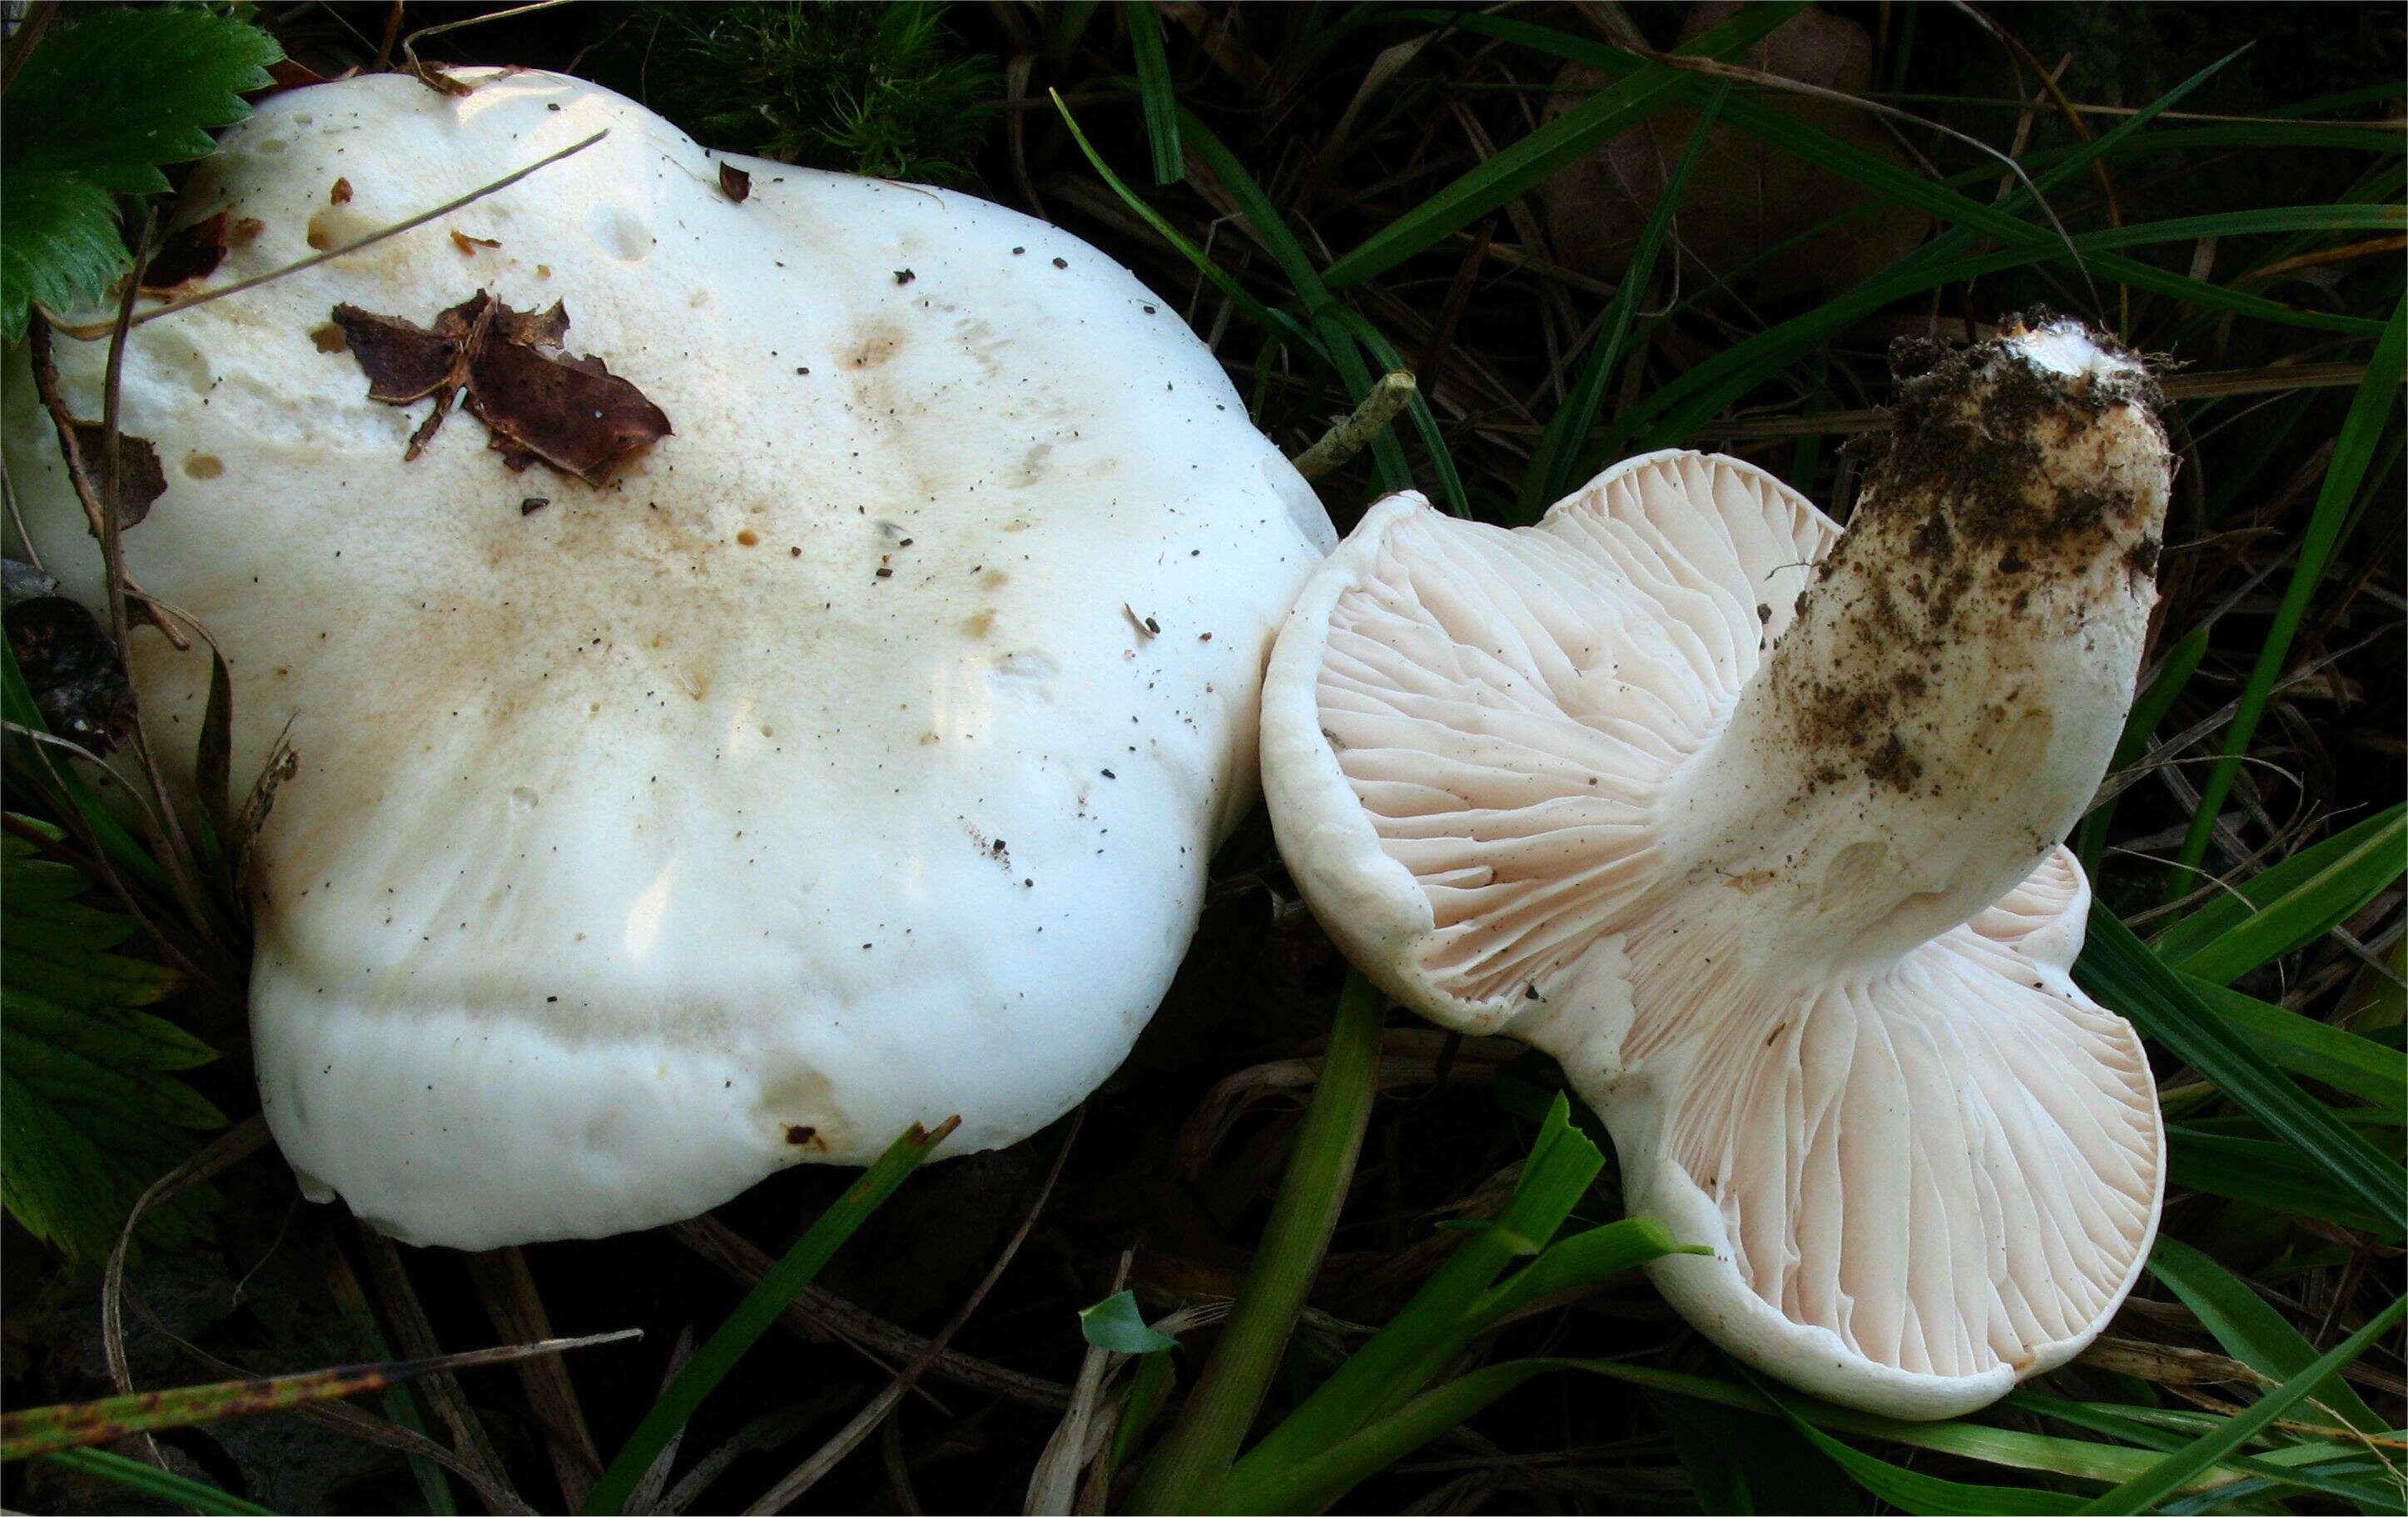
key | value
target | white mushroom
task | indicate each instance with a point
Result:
(804, 781)
(1754, 827)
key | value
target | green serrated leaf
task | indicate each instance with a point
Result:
(58, 244)
(102, 104)
(90, 1112)
(120, 93)
(1115, 1323)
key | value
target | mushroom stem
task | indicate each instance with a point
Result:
(1949, 695)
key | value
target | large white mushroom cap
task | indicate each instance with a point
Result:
(853, 759)
(1759, 836)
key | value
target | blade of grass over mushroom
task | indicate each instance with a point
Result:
(1550, 476)
(2289, 905)
(179, 1491)
(2250, 1330)
(1153, 89)
(39, 1430)
(1262, 314)
(2354, 451)
(1532, 159)
(1186, 1470)
(2119, 969)
(754, 1315)
(1339, 329)
(2169, 1475)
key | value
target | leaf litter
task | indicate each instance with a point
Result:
(509, 370)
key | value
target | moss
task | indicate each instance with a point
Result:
(880, 90)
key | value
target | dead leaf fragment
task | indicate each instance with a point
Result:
(340, 194)
(468, 245)
(190, 251)
(141, 479)
(734, 182)
(77, 682)
(1745, 196)
(541, 404)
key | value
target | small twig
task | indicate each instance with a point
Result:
(90, 332)
(1352, 435)
(230, 1149)
(812, 1470)
(415, 1333)
(818, 1315)
(434, 78)
(517, 1312)
(384, 44)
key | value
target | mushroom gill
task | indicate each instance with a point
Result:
(1754, 826)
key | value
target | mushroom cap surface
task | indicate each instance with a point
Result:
(1496, 764)
(850, 758)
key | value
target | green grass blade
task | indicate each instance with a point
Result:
(1524, 163)
(160, 1485)
(1309, 1484)
(1338, 329)
(754, 1315)
(2289, 905)
(1263, 315)
(2361, 434)
(1548, 478)
(1434, 444)
(1913, 1491)
(1582, 1260)
(2119, 970)
(2319, 1050)
(1401, 1359)
(2266, 1174)
(1185, 1471)
(1677, 409)
(2145, 1491)
(2250, 1330)
(1159, 101)
(2303, 1474)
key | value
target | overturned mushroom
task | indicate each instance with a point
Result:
(801, 778)
(1754, 827)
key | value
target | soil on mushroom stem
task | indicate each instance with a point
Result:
(1963, 450)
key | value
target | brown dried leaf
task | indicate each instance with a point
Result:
(403, 362)
(191, 253)
(141, 480)
(734, 182)
(340, 194)
(572, 413)
(1745, 196)
(539, 403)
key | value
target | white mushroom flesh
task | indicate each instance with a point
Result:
(811, 779)
(1755, 828)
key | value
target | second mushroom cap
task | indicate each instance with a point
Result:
(1754, 827)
